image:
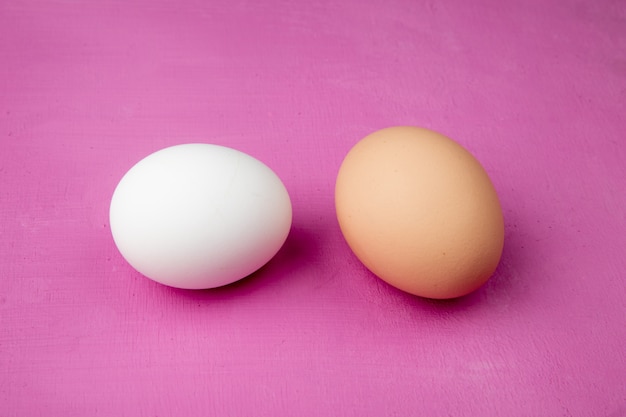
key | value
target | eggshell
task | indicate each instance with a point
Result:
(199, 215)
(420, 212)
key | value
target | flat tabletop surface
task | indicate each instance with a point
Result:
(535, 89)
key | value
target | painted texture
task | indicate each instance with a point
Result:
(536, 90)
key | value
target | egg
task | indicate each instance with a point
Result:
(199, 215)
(420, 212)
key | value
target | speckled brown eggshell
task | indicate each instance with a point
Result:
(420, 212)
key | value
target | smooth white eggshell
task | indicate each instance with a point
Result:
(199, 215)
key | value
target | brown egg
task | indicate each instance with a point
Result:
(420, 212)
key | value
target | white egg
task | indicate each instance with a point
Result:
(199, 216)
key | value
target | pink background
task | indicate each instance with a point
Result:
(535, 89)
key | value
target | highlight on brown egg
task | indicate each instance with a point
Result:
(420, 212)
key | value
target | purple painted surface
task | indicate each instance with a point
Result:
(535, 89)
